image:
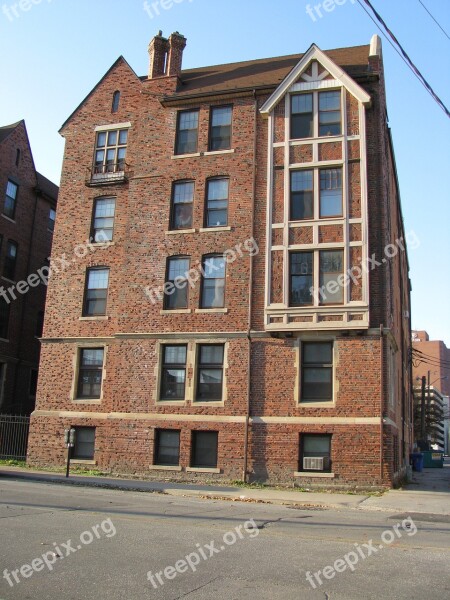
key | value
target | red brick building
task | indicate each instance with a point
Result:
(245, 312)
(27, 217)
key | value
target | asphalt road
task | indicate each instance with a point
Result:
(61, 543)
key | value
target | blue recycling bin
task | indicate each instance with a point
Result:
(417, 461)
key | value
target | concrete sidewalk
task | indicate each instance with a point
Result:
(428, 493)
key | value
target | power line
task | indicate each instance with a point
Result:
(434, 358)
(406, 58)
(435, 20)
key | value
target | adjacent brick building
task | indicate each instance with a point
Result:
(431, 359)
(27, 217)
(244, 312)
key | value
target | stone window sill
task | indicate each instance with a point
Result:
(80, 461)
(178, 311)
(99, 318)
(201, 470)
(313, 474)
(214, 152)
(87, 401)
(213, 229)
(177, 231)
(212, 310)
(8, 219)
(164, 468)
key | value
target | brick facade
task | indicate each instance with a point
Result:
(29, 229)
(261, 420)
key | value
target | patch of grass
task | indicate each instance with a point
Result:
(13, 463)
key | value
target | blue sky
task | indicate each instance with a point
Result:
(55, 51)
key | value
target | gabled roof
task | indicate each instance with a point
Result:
(112, 67)
(263, 73)
(315, 53)
(6, 130)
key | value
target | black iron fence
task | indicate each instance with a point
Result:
(14, 437)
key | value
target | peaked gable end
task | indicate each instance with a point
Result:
(307, 75)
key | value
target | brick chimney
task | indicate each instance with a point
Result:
(177, 43)
(158, 50)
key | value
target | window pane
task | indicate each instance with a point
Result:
(317, 384)
(92, 357)
(84, 443)
(112, 138)
(175, 355)
(183, 192)
(317, 353)
(302, 197)
(189, 120)
(11, 190)
(123, 137)
(331, 266)
(172, 384)
(167, 447)
(302, 103)
(178, 268)
(211, 355)
(316, 444)
(218, 189)
(98, 279)
(105, 207)
(221, 116)
(214, 267)
(330, 101)
(204, 452)
(101, 140)
(213, 293)
(182, 216)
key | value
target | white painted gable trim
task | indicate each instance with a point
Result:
(315, 53)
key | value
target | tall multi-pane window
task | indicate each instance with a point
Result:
(220, 128)
(330, 202)
(216, 214)
(9, 208)
(187, 132)
(302, 121)
(173, 372)
(96, 293)
(182, 203)
(331, 267)
(103, 219)
(51, 219)
(177, 271)
(167, 447)
(115, 102)
(213, 282)
(210, 372)
(204, 449)
(84, 448)
(4, 319)
(329, 113)
(301, 271)
(9, 266)
(302, 195)
(315, 452)
(317, 372)
(110, 151)
(90, 373)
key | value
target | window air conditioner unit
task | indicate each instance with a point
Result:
(316, 463)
